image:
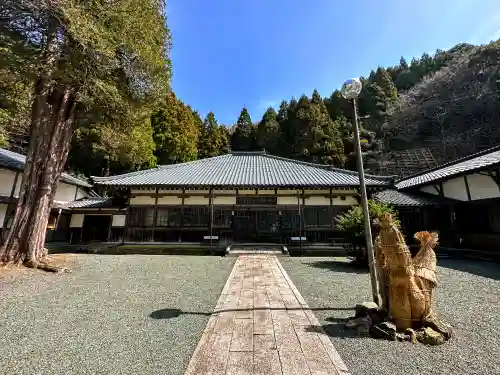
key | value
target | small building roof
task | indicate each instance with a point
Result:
(15, 161)
(252, 169)
(92, 202)
(471, 163)
(404, 199)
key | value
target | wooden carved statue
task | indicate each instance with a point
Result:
(408, 283)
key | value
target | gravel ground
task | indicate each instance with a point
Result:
(467, 297)
(106, 316)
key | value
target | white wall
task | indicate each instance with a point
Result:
(76, 220)
(7, 178)
(118, 221)
(65, 193)
(455, 189)
(480, 187)
(3, 212)
(81, 194)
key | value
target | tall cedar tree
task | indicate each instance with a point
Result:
(213, 140)
(243, 138)
(107, 59)
(176, 132)
(268, 132)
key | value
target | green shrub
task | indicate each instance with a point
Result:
(351, 223)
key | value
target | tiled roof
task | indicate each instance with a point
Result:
(468, 164)
(88, 203)
(13, 160)
(242, 169)
(399, 198)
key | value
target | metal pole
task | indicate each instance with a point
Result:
(300, 223)
(366, 214)
(211, 217)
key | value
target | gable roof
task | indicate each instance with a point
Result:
(15, 161)
(457, 167)
(255, 169)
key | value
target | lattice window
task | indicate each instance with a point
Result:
(169, 217)
(223, 218)
(268, 221)
(319, 216)
(254, 201)
(196, 216)
(140, 217)
(290, 219)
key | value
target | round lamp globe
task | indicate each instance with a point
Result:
(351, 88)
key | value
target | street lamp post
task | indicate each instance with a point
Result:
(351, 90)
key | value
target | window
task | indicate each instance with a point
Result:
(222, 218)
(264, 201)
(290, 219)
(169, 217)
(196, 216)
(318, 216)
(140, 217)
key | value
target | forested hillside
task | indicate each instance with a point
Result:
(448, 102)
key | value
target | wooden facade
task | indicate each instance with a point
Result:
(246, 215)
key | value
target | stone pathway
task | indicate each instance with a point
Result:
(262, 326)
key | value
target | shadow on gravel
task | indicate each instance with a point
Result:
(175, 313)
(476, 267)
(338, 266)
(335, 329)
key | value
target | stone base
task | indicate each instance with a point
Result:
(370, 320)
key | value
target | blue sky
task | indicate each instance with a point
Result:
(233, 53)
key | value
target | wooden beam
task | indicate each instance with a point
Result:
(13, 190)
(495, 176)
(467, 188)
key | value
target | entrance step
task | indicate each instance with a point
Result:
(241, 249)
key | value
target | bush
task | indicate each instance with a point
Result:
(351, 223)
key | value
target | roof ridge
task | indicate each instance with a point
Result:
(453, 162)
(261, 152)
(154, 169)
(329, 167)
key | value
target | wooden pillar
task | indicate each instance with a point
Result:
(109, 229)
(182, 213)
(155, 211)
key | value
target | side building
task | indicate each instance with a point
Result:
(469, 188)
(238, 197)
(70, 189)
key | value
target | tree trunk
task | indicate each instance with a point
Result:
(50, 136)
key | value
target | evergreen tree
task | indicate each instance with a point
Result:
(403, 64)
(95, 61)
(213, 138)
(176, 132)
(268, 132)
(384, 81)
(243, 138)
